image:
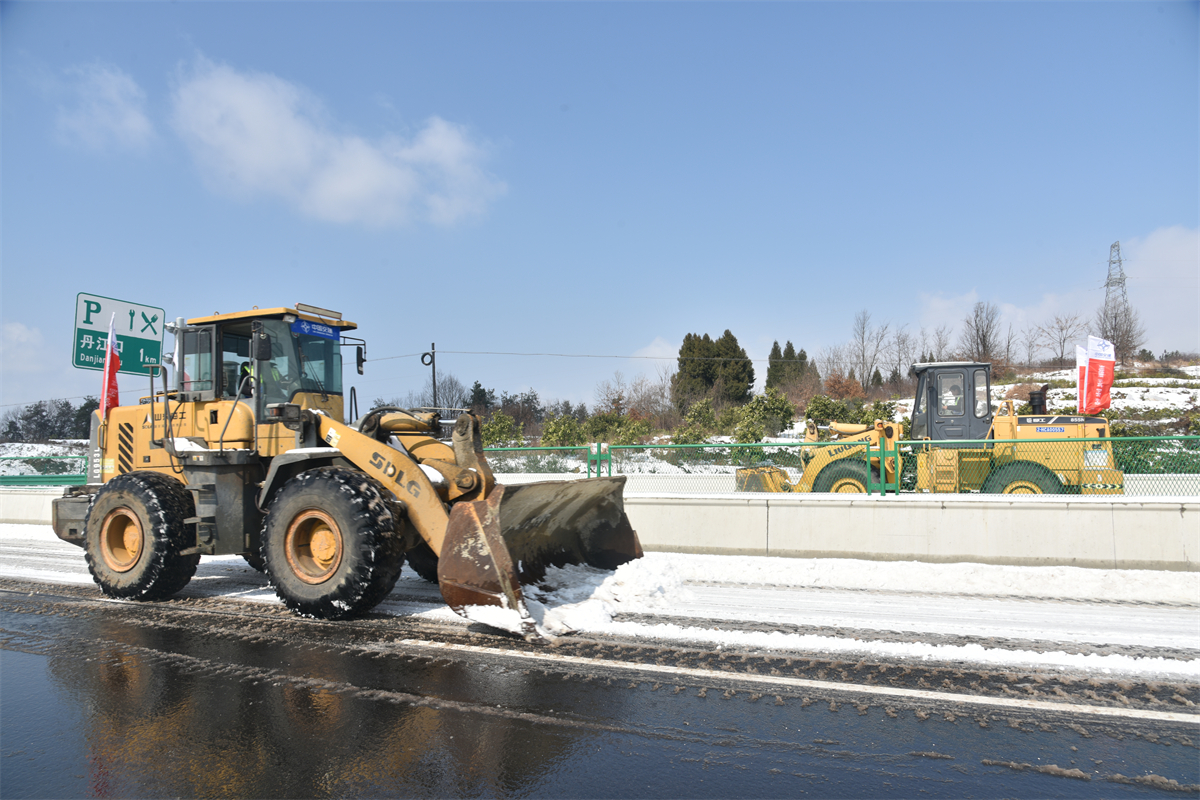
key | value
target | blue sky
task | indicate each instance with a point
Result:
(592, 178)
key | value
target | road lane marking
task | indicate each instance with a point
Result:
(806, 683)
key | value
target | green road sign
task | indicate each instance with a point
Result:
(139, 333)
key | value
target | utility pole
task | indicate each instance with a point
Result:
(430, 360)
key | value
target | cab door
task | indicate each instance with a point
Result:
(948, 405)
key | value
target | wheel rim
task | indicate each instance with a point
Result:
(848, 486)
(313, 546)
(1023, 487)
(121, 540)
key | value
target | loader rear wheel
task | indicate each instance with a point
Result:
(1022, 477)
(423, 561)
(843, 477)
(133, 534)
(330, 544)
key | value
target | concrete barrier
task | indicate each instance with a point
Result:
(27, 506)
(1100, 532)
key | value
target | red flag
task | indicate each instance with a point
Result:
(112, 362)
(1101, 359)
(1081, 381)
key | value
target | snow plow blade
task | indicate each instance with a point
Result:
(496, 545)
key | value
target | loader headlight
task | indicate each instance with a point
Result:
(287, 413)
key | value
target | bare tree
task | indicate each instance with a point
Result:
(451, 395)
(981, 337)
(902, 355)
(1031, 343)
(866, 346)
(832, 359)
(613, 395)
(1119, 323)
(1011, 343)
(1058, 335)
(941, 342)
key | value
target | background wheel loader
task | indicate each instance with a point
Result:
(961, 446)
(247, 454)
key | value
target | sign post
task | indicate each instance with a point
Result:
(139, 333)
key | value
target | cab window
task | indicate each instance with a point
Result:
(983, 405)
(235, 361)
(950, 394)
(197, 373)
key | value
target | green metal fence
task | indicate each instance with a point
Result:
(1155, 466)
(45, 470)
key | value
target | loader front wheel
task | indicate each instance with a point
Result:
(133, 534)
(843, 477)
(330, 544)
(1022, 477)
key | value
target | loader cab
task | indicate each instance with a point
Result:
(953, 401)
(261, 357)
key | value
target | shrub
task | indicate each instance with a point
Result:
(501, 431)
(614, 428)
(765, 415)
(564, 431)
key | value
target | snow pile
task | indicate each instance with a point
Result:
(1064, 583)
(585, 598)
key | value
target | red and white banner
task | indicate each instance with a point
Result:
(1101, 361)
(1081, 381)
(109, 398)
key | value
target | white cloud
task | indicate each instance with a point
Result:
(1162, 272)
(22, 349)
(108, 109)
(257, 134)
(659, 348)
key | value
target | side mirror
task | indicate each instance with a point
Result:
(260, 346)
(361, 357)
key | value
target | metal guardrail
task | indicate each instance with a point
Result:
(1134, 466)
(45, 472)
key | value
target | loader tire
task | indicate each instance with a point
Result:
(423, 561)
(1022, 477)
(330, 544)
(133, 534)
(843, 477)
(254, 559)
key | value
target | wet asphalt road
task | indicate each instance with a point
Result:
(201, 699)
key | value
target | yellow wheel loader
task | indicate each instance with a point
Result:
(962, 446)
(966, 447)
(247, 454)
(843, 468)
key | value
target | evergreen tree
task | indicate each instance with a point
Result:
(877, 380)
(81, 425)
(735, 370)
(697, 371)
(796, 364)
(482, 399)
(777, 365)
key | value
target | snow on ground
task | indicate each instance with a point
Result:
(12, 452)
(1162, 609)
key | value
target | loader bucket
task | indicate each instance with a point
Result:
(494, 546)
